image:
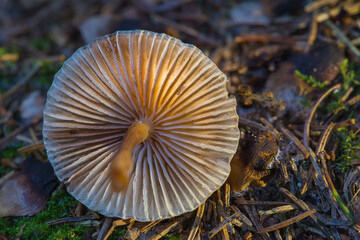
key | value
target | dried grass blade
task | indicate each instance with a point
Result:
(289, 135)
(196, 224)
(287, 222)
(312, 112)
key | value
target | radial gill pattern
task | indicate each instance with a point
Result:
(141, 76)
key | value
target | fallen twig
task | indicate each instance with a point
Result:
(333, 192)
(116, 223)
(304, 206)
(39, 145)
(312, 112)
(265, 203)
(71, 219)
(313, 32)
(7, 139)
(186, 29)
(196, 224)
(222, 225)
(287, 222)
(324, 138)
(289, 135)
(285, 208)
(342, 37)
(22, 83)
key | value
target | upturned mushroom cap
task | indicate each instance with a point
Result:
(140, 76)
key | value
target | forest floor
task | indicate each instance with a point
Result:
(293, 67)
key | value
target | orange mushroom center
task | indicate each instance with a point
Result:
(122, 165)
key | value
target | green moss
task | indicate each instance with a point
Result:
(311, 80)
(117, 233)
(6, 81)
(349, 75)
(4, 170)
(43, 44)
(171, 237)
(46, 74)
(10, 151)
(349, 149)
(306, 103)
(59, 206)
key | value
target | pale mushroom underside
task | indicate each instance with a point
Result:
(141, 76)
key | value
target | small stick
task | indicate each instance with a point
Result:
(309, 178)
(116, 223)
(35, 139)
(80, 209)
(289, 233)
(227, 196)
(266, 38)
(346, 94)
(313, 32)
(186, 29)
(22, 83)
(289, 135)
(226, 222)
(23, 138)
(161, 8)
(277, 235)
(324, 138)
(333, 12)
(345, 123)
(197, 221)
(285, 208)
(149, 226)
(318, 4)
(342, 37)
(252, 213)
(7, 139)
(304, 207)
(312, 113)
(266, 203)
(353, 100)
(287, 222)
(270, 126)
(242, 216)
(71, 219)
(320, 175)
(105, 226)
(222, 225)
(224, 232)
(164, 230)
(32, 147)
(244, 122)
(334, 195)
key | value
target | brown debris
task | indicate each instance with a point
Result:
(251, 161)
(258, 46)
(287, 222)
(25, 192)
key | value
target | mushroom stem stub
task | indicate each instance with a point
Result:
(122, 164)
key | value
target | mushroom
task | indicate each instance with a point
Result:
(139, 125)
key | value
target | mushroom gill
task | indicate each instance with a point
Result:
(151, 99)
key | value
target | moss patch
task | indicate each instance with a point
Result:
(59, 206)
